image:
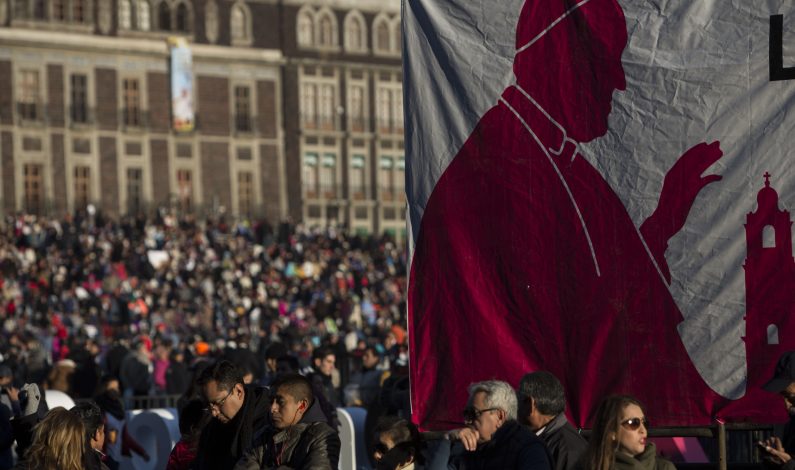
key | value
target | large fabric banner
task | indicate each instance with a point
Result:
(601, 189)
(181, 85)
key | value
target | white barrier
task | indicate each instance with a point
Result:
(157, 431)
(353, 453)
(54, 399)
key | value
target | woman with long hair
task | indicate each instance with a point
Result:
(59, 441)
(618, 440)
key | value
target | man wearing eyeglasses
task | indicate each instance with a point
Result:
(783, 382)
(542, 402)
(240, 415)
(492, 437)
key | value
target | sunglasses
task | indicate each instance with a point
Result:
(634, 423)
(472, 414)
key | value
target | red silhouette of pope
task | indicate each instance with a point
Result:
(526, 259)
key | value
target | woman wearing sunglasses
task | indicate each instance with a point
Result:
(618, 440)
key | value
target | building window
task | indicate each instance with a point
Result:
(242, 109)
(385, 179)
(328, 176)
(768, 237)
(82, 185)
(79, 106)
(245, 192)
(326, 106)
(310, 175)
(144, 15)
(131, 113)
(29, 95)
(183, 18)
(308, 111)
(135, 187)
(381, 43)
(358, 177)
(59, 10)
(355, 37)
(399, 178)
(163, 16)
(327, 30)
(389, 108)
(34, 191)
(397, 40)
(185, 190)
(356, 108)
(772, 334)
(305, 28)
(384, 110)
(241, 31)
(40, 9)
(125, 14)
(21, 11)
(78, 11)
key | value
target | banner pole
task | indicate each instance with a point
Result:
(722, 464)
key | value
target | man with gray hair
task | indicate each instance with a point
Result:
(492, 437)
(542, 402)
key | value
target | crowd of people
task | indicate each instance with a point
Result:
(262, 333)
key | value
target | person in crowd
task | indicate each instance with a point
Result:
(492, 437)
(58, 443)
(619, 438)
(93, 421)
(542, 403)
(779, 450)
(118, 443)
(178, 376)
(240, 414)
(367, 381)
(323, 365)
(192, 420)
(60, 376)
(300, 437)
(398, 445)
(275, 351)
(135, 374)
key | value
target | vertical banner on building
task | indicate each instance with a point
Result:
(183, 118)
(601, 189)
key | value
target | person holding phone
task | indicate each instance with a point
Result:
(779, 450)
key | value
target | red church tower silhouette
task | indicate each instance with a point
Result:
(769, 286)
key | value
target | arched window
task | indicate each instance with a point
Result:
(164, 16)
(355, 36)
(397, 41)
(211, 21)
(183, 18)
(381, 40)
(40, 9)
(768, 237)
(21, 9)
(305, 28)
(144, 15)
(239, 22)
(125, 14)
(772, 334)
(327, 30)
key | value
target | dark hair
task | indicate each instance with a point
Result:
(403, 433)
(275, 350)
(546, 390)
(601, 453)
(321, 353)
(91, 415)
(297, 386)
(192, 420)
(224, 373)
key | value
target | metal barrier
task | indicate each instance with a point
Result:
(148, 402)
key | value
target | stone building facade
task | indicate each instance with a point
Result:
(298, 109)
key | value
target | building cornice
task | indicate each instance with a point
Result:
(126, 46)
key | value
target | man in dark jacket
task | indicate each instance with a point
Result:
(241, 415)
(542, 402)
(779, 450)
(299, 437)
(493, 438)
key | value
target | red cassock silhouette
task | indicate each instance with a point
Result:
(526, 259)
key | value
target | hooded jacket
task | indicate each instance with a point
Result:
(310, 444)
